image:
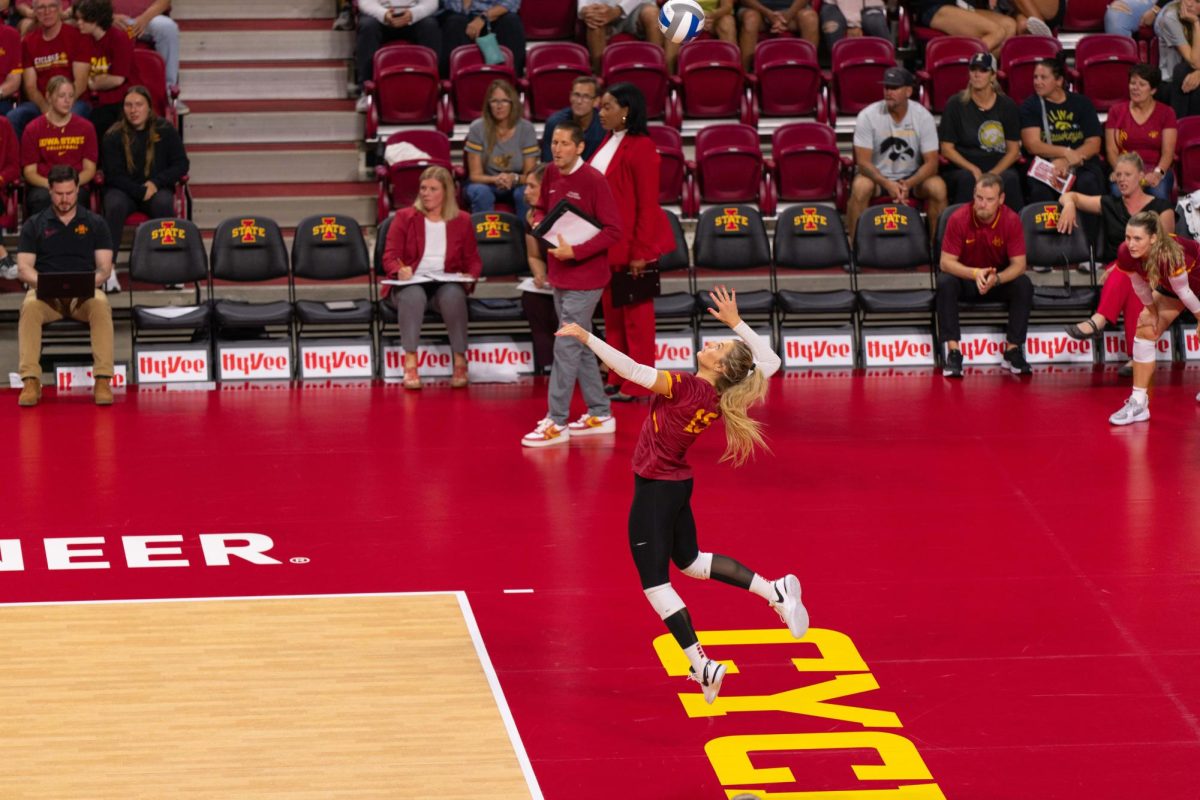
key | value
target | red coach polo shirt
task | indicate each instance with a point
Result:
(992, 245)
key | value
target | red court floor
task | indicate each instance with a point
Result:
(1020, 581)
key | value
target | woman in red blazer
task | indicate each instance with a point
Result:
(424, 241)
(629, 159)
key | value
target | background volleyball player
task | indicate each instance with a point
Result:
(731, 377)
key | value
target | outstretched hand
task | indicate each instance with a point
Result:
(572, 329)
(726, 309)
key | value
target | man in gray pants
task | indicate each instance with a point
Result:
(578, 274)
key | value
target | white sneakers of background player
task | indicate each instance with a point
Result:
(787, 604)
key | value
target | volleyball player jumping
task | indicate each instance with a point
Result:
(1164, 274)
(732, 376)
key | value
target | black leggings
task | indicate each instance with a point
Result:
(661, 528)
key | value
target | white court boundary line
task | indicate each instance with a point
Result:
(464, 605)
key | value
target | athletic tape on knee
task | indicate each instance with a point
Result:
(1143, 351)
(664, 599)
(701, 568)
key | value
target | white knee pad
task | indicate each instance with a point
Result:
(701, 568)
(664, 599)
(1143, 351)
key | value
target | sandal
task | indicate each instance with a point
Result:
(411, 379)
(459, 379)
(1077, 331)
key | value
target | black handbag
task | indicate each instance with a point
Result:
(628, 289)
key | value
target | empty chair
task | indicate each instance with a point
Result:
(856, 73)
(550, 70)
(406, 89)
(470, 77)
(787, 79)
(811, 239)
(500, 238)
(1102, 63)
(330, 248)
(711, 81)
(399, 181)
(892, 238)
(1018, 56)
(730, 240)
(807, 165)
(945, 72)
(729, 165)
(1084, 15)
(645, 66)
(1046, 247)
(548, 20)
(169, 252)
(250, 250)
(676, 305)
(676, 184)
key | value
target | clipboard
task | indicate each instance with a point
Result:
(627, 289)
(568, 221)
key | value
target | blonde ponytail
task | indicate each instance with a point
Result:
(1165, 256)
(740, 386)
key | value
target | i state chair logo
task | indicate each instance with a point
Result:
(890, 219)
(167, 233)
(732, 220)
(809, 219)
(492, 227)
(329, 230)
(1049, 216)
(249, 231)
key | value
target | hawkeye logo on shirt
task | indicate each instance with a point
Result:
(890, 219)
(249, 231)
(492, 227)
(1063, 130)
(809, 220)
(167, 233)
(329, 230)
(1048, 218)
(731, 221)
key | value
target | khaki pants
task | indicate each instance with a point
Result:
(35, 313)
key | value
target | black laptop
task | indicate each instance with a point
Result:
(65, 285)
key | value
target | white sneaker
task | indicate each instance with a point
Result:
(8, 271)
(112, 285)
(361, 104)
(546, 434)
(787, 604)
(1037, 28)
(709, 678)
(587, 425)
(1132, 412)
(181, 108)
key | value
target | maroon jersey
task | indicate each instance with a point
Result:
(54, 57)
(675, 420)
(46, 144)
(1191, 258)
(994, 244)
(113, 55)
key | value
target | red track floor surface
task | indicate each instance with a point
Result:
(1020, 580)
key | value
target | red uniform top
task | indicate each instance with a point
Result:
(54, 57)
(981, 246)
(113, 55)
(1191, 258)
(1145, 139)
(675, 420)
(46, 144)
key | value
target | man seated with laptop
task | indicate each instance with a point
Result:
(65, 254)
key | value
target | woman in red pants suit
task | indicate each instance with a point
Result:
(629, 159)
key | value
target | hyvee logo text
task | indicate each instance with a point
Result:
(97, 552)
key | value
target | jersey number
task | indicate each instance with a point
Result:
(700, 421)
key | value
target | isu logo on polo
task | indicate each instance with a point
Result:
(809, 220)
(492, 227)
(1048, 219)
(890, 219)
(329, 230)
(167, 233)
(81, 229)
(997, 240)
(249, 232)
(731, 221)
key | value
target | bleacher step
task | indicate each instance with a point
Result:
(265, 44)
(294, 80)
(242, 122)
(275, 166)
(259, 9)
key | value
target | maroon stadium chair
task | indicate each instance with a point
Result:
(150, 70)
(469, 78)
(1101, 72)
(406, 89)
(1018, 57)
(676, 184)
(787, 80)
(711, 82)
(856, 73)
(548, 19)
(946, 72)
(398, 182)
(1187, 154)
(1084, 15)
(806, 164)
(645, 66)
(550, 69)
(729, 166)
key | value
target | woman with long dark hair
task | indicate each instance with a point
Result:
(629, 161)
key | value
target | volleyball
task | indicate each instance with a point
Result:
(680, 20)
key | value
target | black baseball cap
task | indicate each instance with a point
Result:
(982, 61)
(898, 76)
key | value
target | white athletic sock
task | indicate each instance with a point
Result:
(762, 587)
(695, 656)
(1140, 396)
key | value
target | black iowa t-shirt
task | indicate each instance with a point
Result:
(64, 248)
(1070, 122)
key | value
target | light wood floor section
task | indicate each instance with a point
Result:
(363, 697)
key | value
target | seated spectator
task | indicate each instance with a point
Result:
(992, 27)
(501, 150)
(538, 308)
(112, 62)
(1124, 17)
(26, 15)
(604, 19)
(853, 18)
(1179, 55)
(777, 16)
(64, 237)
(10, 173)
(54, 50)
(57, 137)
(983, 260)
(718, 21)
(431, 236)
(10, 72)
(981, 132)
(1063, 128)
(1143, 126)
(896, 152)
(582, 111)
(379, 24)
(464, 21)
(143, 162)
(147, 21)
(1117, 296)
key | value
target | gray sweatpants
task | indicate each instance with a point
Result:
(573, 360)
(448, 299)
